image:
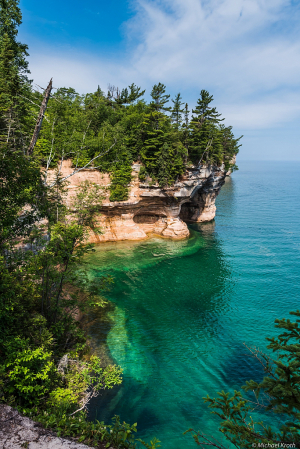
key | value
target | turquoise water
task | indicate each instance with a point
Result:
(181, 311)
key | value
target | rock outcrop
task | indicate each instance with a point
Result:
(151, 210)
(19, 432)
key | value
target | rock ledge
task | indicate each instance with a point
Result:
(19, 432)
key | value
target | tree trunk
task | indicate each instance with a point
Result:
(40, 118)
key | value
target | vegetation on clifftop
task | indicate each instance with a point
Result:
(117, 128)
(122, 128)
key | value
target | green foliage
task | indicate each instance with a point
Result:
(87, 201)
(10, 19)
(119, 435)
(110, 132)
(14, 84)
(120, 178)
(81, 381)
(142, 173)
(177, 111)
(29, 374)
(159, 98)
(22, 195)
(163, 152)
(277, 394)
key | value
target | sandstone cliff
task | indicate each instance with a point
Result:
(151, 210)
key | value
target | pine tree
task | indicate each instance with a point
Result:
(129, 96)
(135, 93)
(10, 20)
(9, 76)
(186, 115)
(205, 140)
(186, 131)
(159, 98)
(203, 111)
(176, 111)
(230, 145)
(153, 140)
(13, 75)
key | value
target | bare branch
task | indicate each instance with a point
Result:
(28, 99)
(262, 359)
(206, 149)
(211, 441)
(40, 118)
(86, 167)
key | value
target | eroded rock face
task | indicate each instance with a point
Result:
(17, 432)
(151, 210)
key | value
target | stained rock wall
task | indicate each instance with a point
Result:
(151, 210)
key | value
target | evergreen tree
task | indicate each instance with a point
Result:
(128, 96)
(176, 111)
(14, 84)
(186, 115)
(10, 20)
(135, 93)
(205, 112)
(230, 145)
(99, 92)
(153, 140)
(9, 76)
(186, 131)
(160, 99)
(205, 140)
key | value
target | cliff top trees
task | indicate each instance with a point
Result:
(205, 139)
(177, 111)
(160, 99)
(85, 127)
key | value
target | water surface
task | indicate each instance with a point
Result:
(181, 311)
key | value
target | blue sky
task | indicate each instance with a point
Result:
(245, 52)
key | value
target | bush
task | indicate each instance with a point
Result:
(142, 173)
(121, 177)
(28, 374)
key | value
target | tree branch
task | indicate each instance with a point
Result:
(86, 167)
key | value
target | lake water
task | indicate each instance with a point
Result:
(181, 311)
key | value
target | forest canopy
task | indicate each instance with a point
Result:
(118, 128)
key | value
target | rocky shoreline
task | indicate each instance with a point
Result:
(19, 432)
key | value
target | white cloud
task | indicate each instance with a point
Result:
(80, 71)
(264, 114)
(243, 50)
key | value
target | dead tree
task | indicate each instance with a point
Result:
(40, 118)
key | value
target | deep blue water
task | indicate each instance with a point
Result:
(181, 311)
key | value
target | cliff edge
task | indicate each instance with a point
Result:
(151, 210)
